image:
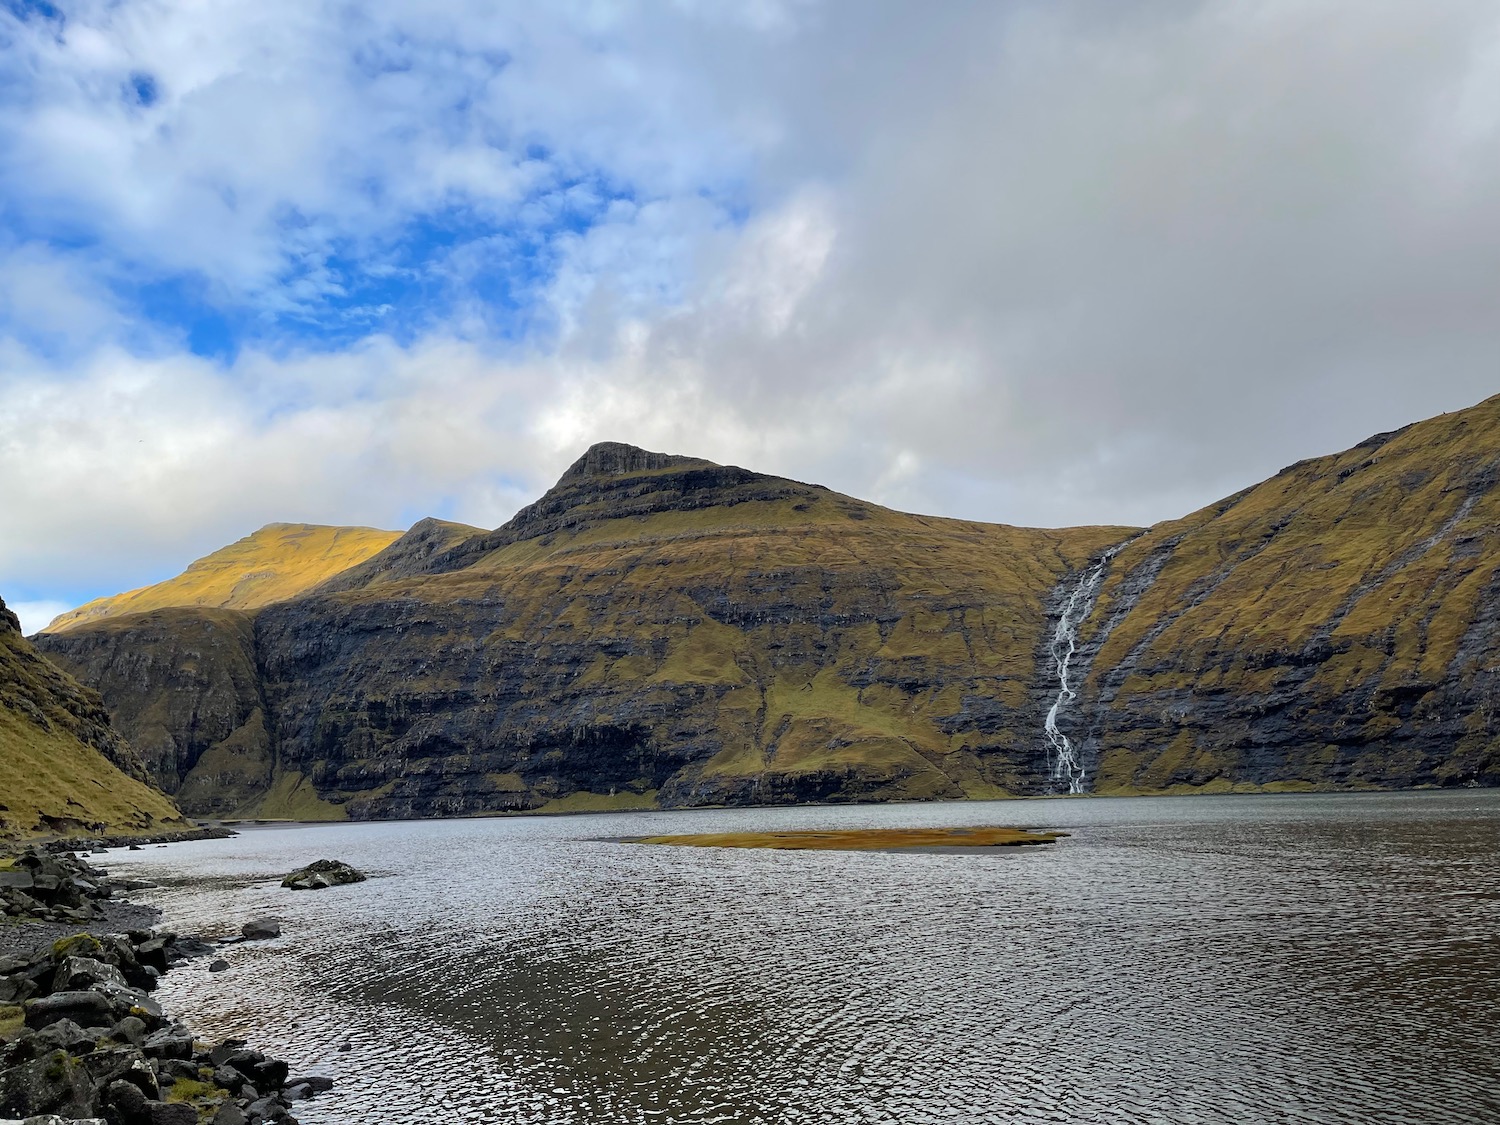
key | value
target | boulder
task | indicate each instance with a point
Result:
(55, 1083)
(317, 1083)
(121, 1064)
(218, 966)
(81, 973)
(126, 1102)
(173, 1113)
(89, 1009)
(323, 873)
(175, 1042)
(261, 928)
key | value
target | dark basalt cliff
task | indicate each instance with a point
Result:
(654, 629)
(663, 630)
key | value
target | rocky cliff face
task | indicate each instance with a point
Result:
(662, 630)
(1335, 626)
(653, 630)
(62, 767)
(184, 688)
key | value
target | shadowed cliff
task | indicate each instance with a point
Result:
(653, 629)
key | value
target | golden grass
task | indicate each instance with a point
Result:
(860, 839)
(278, 562)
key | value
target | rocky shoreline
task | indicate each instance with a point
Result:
(82, 1040)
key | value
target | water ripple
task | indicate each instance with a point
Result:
(1189, 961)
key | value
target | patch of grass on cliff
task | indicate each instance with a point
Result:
(293, 797)
(583, 801)
(12, 1020)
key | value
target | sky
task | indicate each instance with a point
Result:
(1042, 262)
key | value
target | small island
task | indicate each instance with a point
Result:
(859, 839)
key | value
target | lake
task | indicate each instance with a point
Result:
(1309, 958)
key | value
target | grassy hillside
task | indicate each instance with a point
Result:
(61, 766)
(279, 561)
(1333, 625)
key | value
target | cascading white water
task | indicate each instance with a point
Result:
(1067, 763)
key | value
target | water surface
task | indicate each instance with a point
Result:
(1255, 959)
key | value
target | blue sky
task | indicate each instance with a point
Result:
(1040, 263)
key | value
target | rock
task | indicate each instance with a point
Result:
(125, 1063)
(297, 1092)
(323, 873)
(229, 1114)
(131, 1029)
(89, 1008)
(175, 1042)
(173, 1113)
(218, 966)
(65, 1035)
(317, 1083)
(229, 1078)
(170, 1070)
(54, 1083)
(16, 989)
(125, 1101)
(226, 1051)
(81, 973)
(260, 929)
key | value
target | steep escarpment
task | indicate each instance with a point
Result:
(279, 561)
(654, 629)
(62, 767)
(184, 688)
(1335, 626)
(661, 630)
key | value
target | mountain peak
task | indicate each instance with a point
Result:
(615, 458)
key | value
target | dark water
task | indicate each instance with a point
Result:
(1258, 959)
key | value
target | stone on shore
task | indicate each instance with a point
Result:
(323, 873)
(89, 1045)
(260, 929)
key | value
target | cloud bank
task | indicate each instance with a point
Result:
(1034, 263)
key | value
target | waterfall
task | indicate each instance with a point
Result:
(1066, 761)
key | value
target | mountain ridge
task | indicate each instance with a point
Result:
(660, 630)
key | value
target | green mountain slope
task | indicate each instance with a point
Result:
(61, 766)
(663, 630)
(279, 561)
(1335, 625)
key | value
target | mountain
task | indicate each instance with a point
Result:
(655, 629)
(62, 768)
(1335, 626)
(279, 561)
(661, 630)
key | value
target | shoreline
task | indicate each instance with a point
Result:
(81, 1038)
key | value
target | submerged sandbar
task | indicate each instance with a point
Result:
(859, 839)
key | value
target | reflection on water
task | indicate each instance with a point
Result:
(1287, 959)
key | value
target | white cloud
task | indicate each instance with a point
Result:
(1042, 262)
